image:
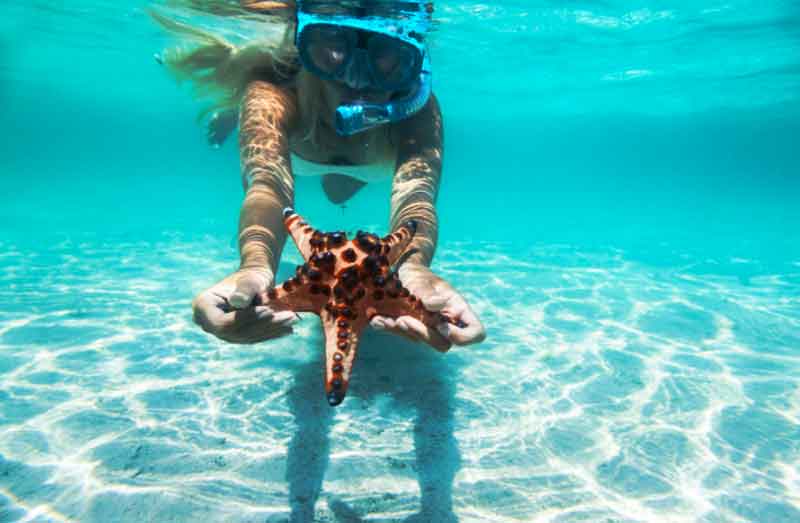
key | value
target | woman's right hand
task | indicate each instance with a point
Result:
(226, 310)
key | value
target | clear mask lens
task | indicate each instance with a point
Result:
(331, 51)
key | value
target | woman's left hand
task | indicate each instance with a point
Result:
(437, 296)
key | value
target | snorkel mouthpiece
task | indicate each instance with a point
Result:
(358, 117)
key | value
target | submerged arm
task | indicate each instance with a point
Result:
(266, 115)
(414, 190)
(416, 179)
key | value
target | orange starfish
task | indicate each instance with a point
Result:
(347, 283)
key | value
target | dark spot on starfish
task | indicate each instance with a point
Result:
(342, 324)
(307, 230)
(349, 255)
(336, 239)
(287, 286)
(337, 383)
(346, 312)
(412, 225)
(383, 260)
(349, 278)
(460, 324)
(338, 356)
(343, 334)
(335, 397)
(342, 345)
(272, 294)
(314, 275)
(339, 292)
(392, 294)
(377, 294)
(337, 368)
(412, 298)
(379, 281)
(366, 242)
(370, 264)
(287, 211)
(360, 293)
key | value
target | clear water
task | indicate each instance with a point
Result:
(620, 205)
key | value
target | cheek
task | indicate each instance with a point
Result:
(332, 94)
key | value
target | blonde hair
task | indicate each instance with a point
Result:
(219, 69)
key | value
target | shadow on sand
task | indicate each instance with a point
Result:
(417, 379)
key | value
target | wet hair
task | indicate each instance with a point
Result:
(217, 68)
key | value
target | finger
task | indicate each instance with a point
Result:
(285, 318)
(378, 323)
(263, 313)
(209, 315)
(247, 286)
(383, 323)
(421, 332)
(247, 328)
(256, 333)
(434, 302)
(472, 332)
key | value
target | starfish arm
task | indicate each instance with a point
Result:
(341, 346)
(395, 244)
(293, 295)
(303, 234)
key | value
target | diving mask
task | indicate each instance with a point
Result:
(370, 53)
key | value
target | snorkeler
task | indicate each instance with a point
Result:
(347, 90)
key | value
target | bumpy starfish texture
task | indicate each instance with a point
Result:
(347, 282)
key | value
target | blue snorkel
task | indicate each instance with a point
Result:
(360, 116)
(408, 28)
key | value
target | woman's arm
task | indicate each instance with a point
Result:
(416, 180)
(414, 190)
(227, 309)
(266, 116)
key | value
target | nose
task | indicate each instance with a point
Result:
(356, 74)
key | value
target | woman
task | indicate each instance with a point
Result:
(347, 85)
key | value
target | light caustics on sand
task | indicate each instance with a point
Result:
(607, 391)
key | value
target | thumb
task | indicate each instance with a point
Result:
(247, 286)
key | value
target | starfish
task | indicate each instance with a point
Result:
(347, 282)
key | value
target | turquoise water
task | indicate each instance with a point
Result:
(620, 206)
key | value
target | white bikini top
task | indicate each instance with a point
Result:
(366, 173)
